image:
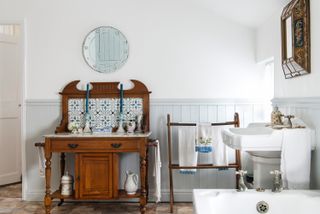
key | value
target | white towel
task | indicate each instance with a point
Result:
(204, 143)
(296, 158)
(220, 150)
(41, 160)
(187, 152)
(157, 172)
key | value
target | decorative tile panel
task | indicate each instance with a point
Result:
(104, 112)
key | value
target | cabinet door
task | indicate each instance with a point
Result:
(95, 176)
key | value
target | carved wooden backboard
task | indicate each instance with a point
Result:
(104, 104)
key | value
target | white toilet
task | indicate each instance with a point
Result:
(263, 163)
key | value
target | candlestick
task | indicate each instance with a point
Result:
(121, 98)
(87, 128)
(120, 126)
(87, 99)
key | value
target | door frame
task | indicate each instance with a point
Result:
(23, 61)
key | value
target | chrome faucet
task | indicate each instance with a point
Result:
(289, 120)
(277, 181)
(241, 185)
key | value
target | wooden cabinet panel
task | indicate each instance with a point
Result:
(95, 176)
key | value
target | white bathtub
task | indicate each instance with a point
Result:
(219, 201)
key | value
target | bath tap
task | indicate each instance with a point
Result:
(277, 181)
(289, 120)
(241, 185)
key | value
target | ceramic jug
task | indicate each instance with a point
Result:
(131, 183)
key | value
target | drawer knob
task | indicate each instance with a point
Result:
(116, 145)
(73, 145)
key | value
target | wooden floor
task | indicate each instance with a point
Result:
(10, 202)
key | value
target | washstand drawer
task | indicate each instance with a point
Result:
(119, 145)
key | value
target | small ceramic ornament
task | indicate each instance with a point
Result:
(131, 126)
(80, 130)
(73, 127)
(66, 184)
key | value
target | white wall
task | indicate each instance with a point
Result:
(171, 42)
(177, 49)
(269, 44)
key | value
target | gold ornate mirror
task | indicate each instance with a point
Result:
(295, 29)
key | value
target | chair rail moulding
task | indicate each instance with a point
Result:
(303, 102)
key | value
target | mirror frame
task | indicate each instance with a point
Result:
(117, 65)
(300, 63)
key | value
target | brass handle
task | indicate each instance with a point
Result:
(73, 146)
(116, 145)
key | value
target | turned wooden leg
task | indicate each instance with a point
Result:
(47, 197)
(62, 163)
(143, 171)
(62, 170)
(171, 189)
(238, 162)
(147, 173)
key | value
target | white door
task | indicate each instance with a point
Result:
(10, 97)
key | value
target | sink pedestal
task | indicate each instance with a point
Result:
(261, 171)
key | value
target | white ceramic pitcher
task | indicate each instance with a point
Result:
(131, 183)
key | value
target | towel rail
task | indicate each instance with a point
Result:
(236, 165)
(152, 142)
(194, 124)
(39, 144)
(203, 166)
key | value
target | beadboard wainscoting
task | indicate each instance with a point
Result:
(42, 116)
(308, 109)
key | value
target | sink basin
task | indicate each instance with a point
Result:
(252, 131)
(253, 138)
(257, 139)
(264, 145)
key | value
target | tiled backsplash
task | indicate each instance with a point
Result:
(104, 112)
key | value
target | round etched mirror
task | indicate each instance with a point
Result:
(105, 49)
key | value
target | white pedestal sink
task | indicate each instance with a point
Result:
(264, 146)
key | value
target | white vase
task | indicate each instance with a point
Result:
(131, 183)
